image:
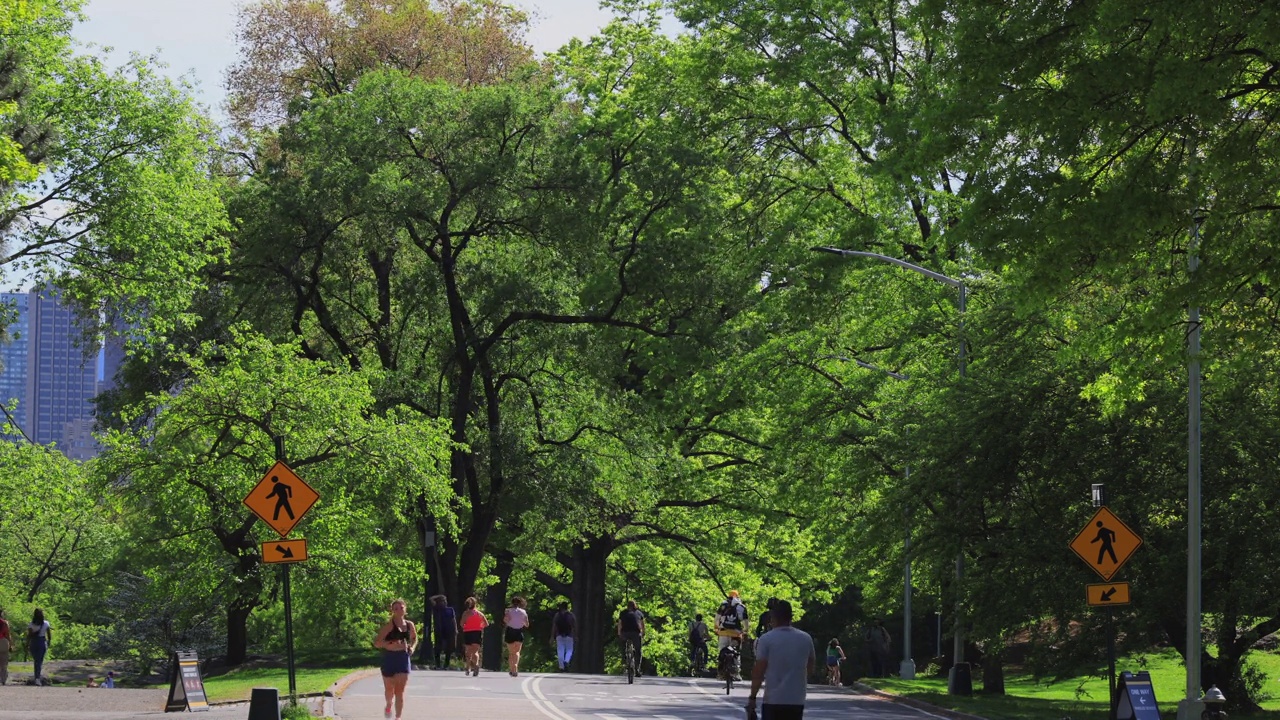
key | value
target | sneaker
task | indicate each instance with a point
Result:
(387, 713)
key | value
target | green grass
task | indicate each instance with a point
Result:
(238, 684)
(1082, 698)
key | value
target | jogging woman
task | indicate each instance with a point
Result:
(396, 639)
(473, 624)
(516, 620)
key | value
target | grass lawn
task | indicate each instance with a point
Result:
(1083, 698)
(238, 684)
(313, 673)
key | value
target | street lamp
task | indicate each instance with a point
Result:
(907, 668)
(959, 682)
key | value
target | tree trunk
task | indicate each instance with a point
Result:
(992, 673)
(237, 631)
(595, 621)
(495, 602)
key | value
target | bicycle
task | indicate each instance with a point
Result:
(698, 660)
(629, 660)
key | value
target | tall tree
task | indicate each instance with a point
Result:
(104, 183)
(185, 476)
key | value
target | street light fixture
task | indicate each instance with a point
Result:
(959, 682)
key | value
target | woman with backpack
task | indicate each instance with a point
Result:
(445, 624)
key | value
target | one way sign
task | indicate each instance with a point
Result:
(284, 551)
(1108, 593)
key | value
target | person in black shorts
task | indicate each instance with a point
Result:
(631, 629)
(396, 639)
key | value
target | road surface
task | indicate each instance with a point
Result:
(439, 695)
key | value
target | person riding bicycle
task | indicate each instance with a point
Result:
(729, 662)
(698, 635)
(731, 622)
(631, 630)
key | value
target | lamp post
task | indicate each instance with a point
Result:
(907, 668)
(959, 682)
(1192, 705)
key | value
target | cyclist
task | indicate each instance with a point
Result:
(631, 630)
(729, 661)
(731, 623)
(698, 635)
(835, 656)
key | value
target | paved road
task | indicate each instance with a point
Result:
(438, 695)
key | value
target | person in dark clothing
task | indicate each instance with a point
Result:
(564, 626)
(445, 631)
(631, 630)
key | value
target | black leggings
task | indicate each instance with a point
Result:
(444, 647)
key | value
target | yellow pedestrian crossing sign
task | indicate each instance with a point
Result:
(1105, 543)
(281, 498)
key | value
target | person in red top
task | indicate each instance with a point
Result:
(473, 624)
(6, 644)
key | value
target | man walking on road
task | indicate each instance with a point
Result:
(784, 661)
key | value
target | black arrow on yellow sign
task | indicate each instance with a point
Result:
(284, 551)
(1107, 593)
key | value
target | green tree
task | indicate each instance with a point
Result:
(104, 183)
(183, 478)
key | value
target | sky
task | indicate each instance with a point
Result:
(197, 37)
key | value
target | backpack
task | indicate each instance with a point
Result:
(729, 617)
(563, 623)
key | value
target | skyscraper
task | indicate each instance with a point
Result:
(55, 379)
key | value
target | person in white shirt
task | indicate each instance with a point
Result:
(784, 661)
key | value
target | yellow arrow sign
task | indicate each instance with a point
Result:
(1107, 594)
(284, 551)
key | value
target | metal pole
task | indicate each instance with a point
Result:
(907, 668)
(1191, 706)
(1111, 661)
(954, 683)
(288, 605)
(288, 636)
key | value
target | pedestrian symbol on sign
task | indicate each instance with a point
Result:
(1105, 543)
(1105, 536)
(282, 492)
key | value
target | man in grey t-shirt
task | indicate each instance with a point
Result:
(784, 660)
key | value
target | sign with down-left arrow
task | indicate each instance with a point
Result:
(284, 551)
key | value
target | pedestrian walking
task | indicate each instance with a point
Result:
(6, 646)
(878, 640)
(784, 660)
(39, 640)
(396, 639)
(564, 627)
(515, 620)
(445, 624)
(473, 624)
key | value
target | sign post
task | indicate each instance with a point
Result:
(279, 492)
(1114, 543)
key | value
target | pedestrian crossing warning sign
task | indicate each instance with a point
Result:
(1105, 543)
(281, 498)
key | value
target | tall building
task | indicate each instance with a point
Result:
(13, 356)
(55, 380)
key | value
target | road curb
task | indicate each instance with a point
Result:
(918, 704)
(341, 684)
